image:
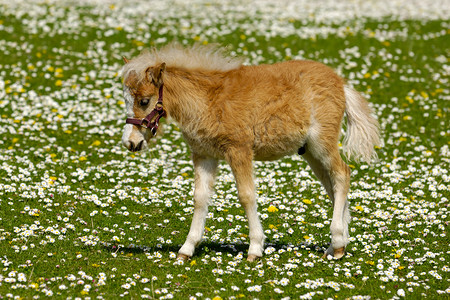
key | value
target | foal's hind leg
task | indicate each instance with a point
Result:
(205, 171)
(335, 176)
(240, 161)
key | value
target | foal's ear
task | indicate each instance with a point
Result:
(154, 74)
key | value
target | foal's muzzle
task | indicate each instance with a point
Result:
(133, 139)
(135, 148)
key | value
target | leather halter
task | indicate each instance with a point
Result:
(151, 121)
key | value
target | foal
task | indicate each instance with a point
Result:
(243, 113)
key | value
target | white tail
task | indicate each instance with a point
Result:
(362, 128)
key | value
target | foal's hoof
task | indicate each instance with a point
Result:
(336, 253)
(339, 253)
(183, 257)
(252, 258)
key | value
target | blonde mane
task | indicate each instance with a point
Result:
(198, 57)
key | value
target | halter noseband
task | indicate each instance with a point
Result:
(151, 121)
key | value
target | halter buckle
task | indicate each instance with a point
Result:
(145, 123)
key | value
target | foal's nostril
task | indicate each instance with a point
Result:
(131, 146)
(139, 146)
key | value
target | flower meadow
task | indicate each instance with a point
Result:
(82, 218)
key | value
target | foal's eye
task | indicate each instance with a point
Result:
(144, 102)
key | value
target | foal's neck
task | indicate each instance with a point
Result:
(188, 93)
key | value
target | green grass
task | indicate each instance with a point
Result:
(82, 217)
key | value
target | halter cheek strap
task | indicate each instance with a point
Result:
(151, 121)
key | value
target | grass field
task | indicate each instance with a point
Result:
(80, 217)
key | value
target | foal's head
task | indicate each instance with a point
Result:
(141, 93)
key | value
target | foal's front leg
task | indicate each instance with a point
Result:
(205, 172)
(240, 161)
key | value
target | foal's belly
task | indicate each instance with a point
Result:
(265, 146)
(275, 148)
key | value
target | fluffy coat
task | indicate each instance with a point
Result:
(242, 113)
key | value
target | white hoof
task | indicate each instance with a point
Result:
(336, 253)
(252, 258)
(183, 257)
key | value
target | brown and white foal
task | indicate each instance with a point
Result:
(243, 113)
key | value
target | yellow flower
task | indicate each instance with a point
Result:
(307, 201)
(96, 143)
(272, 209)
(424, 95)
(359, 208)
(58, 82)
(82, 158)
(193, 262)
(34, 285)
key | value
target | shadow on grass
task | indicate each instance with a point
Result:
(140, 249)
(213, 247)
